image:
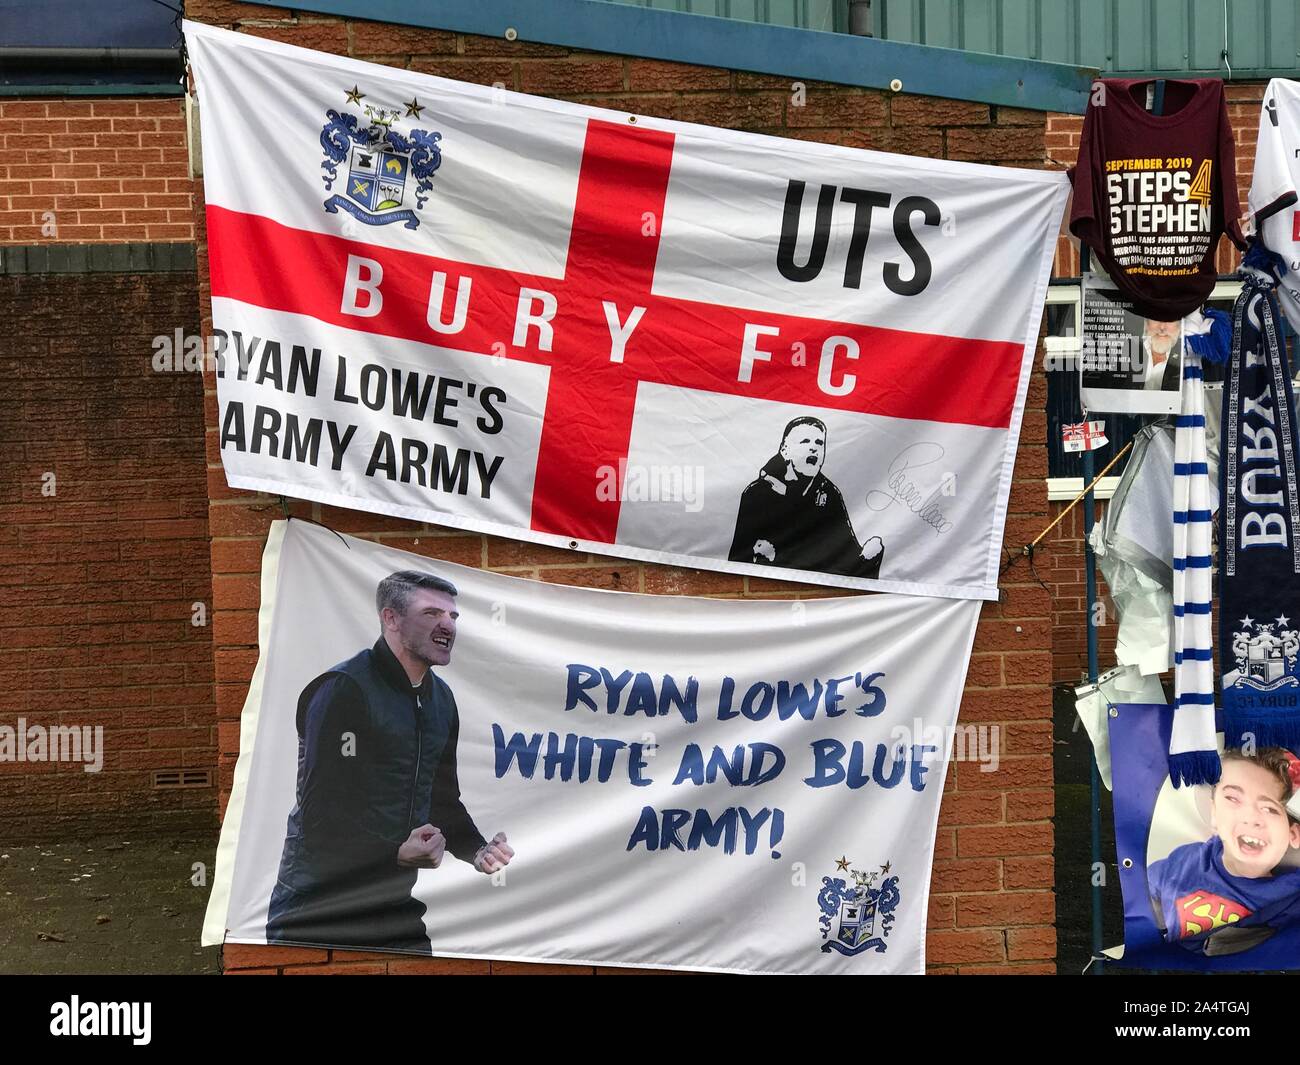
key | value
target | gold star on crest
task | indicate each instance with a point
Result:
(842, 865)
(886, 867)
(413, 108)
(354, 95)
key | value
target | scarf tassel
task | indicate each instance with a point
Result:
(1194, 767)
(1277, 730)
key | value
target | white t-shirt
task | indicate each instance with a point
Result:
(1272, 199)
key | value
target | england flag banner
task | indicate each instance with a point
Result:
(441, 760)
(614, 333)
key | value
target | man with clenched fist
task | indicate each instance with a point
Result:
(377, 793)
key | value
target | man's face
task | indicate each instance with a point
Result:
(1163, 336)
(1250, 818)
(804, 447)
(427, 630)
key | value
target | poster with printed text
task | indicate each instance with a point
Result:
(615, 333)
(448, 761)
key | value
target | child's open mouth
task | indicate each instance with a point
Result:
(1251, 844)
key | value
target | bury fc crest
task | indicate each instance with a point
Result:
(386, 174)
(1266, 654)
(859, 916)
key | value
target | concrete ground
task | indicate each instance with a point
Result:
(117, 906)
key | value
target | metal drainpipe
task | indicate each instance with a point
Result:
(860, 18)
(81, 55)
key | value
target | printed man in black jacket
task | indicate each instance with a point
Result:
(793, 516)
(378, 797)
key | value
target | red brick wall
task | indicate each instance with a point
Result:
(111, 170)
(1059, 561)
(98, 579)
(992, 907)
(1062, 563)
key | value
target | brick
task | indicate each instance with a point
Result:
(653, 75)
(379, 38)
(1004, 909)
(619, 577)
(473, 45)
(941, 912)
(1001, 144)
(321, 36)
(1004, 841)
(958, 947)
(1017, 116)
(560, 76)
(1031, 872)
(985, 671)
(507, 554)
(1005, 704)
(1028, 667)
(1031, 944)
(945, 844)
(462, 550)
(225, 12)
(1028, 737)
(438, 967)
(671, 580)
(1015, 969)
(968, 874)
(477, 71)
(750, 111)
(242, 956)
(970, 809)
(1037, 805)
(337, 969)
(992, 635)
(927, 111)
(1025, 601)
(1010, 774)
(226, 520)
(837, 108)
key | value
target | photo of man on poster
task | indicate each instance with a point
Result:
(377, 792)
(793, 516)
(1162, 351)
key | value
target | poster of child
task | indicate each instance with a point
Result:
(1210, 874)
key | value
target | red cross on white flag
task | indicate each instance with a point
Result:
(634, 336)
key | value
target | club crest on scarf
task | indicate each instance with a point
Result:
(1266, 654)
(386, 174)
(862, 913)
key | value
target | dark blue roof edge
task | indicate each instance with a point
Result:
(705, 40)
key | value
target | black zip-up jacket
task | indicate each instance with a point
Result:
(376, 759)
(806, 522)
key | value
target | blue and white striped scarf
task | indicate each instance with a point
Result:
(1193, 752)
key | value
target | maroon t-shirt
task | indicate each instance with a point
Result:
(1153, 193)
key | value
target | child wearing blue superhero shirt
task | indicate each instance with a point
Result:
(1228, 894)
